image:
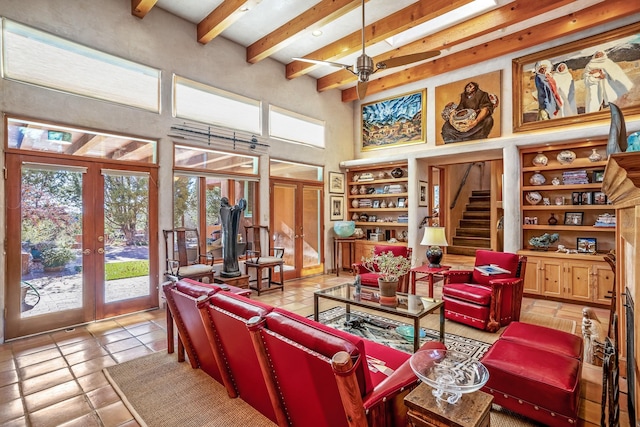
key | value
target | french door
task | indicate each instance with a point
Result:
(296, 225)
(81, 242)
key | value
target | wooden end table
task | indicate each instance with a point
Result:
(427, 274)
(472, 410)
(337, 252)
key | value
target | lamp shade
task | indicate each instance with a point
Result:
(434, 236)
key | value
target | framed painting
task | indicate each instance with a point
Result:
(423, 199)
(576, 82)
(587, 245)
(336, 182)
(337, 208)
(469, 109)
(394, 121)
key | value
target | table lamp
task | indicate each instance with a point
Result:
(434, 237)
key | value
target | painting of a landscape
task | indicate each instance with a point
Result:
(394, 121)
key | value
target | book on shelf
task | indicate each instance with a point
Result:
(491, 269)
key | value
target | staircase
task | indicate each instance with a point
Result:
(474, 231)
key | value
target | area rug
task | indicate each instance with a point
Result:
(385, 331)
(160, 392)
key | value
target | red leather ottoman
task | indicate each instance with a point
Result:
(540, 384)
(546, 338)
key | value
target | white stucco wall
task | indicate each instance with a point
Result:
(167, 42)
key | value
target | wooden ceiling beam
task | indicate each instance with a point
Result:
(140, 8)
(321, 14)
(396, 23)
(590, 17)
(504, 16)
(222, 18)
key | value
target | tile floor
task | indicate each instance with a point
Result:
(56, 379)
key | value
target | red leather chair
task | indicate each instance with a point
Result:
(483, 301)
(369, 278)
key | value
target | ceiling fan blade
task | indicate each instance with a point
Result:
(362, 89)
(317, 61)
(407, 59)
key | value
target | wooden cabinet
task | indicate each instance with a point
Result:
(377, 201)
(575, 277)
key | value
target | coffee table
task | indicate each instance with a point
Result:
(410, 306)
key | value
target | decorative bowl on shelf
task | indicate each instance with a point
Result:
(344, 228)
(533, 197)
(540, 160)
(537, 179)
(449, 373)
(566, 157)
(397, 173)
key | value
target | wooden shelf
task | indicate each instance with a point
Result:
(376, 196)
(581, 228)
(381, 224)
(568, 207)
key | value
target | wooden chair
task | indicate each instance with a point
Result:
(270, 259)
(179, 244)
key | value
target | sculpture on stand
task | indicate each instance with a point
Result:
(230, 216)
(593, 337)
(617, 142)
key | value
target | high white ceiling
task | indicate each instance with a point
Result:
(282, 29)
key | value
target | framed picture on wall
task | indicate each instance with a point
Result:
(336, 182)
(394, 121)
(423, 195)
(575, 82)
(337, 208)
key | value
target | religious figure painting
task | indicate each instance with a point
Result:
(469, 109)
(576, 82)
(394, 121)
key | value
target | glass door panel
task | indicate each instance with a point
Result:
(283, 230)
(311, 224)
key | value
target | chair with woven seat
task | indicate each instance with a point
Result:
(184, 261)
(485, 301)
(370, 278)
(259, 259)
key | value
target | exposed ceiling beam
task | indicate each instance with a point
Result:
(396, 23)
(140, 8)
(509, 14)
(222, 18)
(587, 18)
(321, 14)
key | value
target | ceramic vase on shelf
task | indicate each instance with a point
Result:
(540, 160)
(553, 220)
(566, 157)
(537, 179)
(595, 156)
(363, 189)
(355, 203)
(354, 189)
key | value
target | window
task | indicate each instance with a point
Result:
(203, 103)
(299, 171)
(39, 58)
(295, 127)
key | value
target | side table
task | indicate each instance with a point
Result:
(426, 275)
(241, 281)
(472, 410)
(337, 252)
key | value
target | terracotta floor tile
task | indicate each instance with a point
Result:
(11, 410)
(119, 335)
(6, 353)
(66, 337)
(42, 368)
(7, 365)
(91, 366)
(103, 396)
(130, 423)
(80, 346)
(8, 377)
(32, 345)
(88, 354)
(92, 381)
(89, 420)
(35, 358)
(114, 414)
(9, 392)
(18, 422)
(122, 345)
(158, 334)
(131, 353)
(160, 345)
(143, 328)
(60, 413)
(51, 396)
(45, 381)
(103, 327)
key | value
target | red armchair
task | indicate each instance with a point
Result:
(483, 301)
(369, 278)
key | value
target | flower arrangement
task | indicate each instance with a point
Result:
(391, 267)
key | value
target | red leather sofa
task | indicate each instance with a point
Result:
(283, 365)
(536, 371)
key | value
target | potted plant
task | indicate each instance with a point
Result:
(390, 267)
(55, 258)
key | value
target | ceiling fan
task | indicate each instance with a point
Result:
(364, 67)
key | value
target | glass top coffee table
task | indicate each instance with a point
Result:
(409, 306)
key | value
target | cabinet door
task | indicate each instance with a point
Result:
(579, 283)
(532, 276)
(603, 277)
(551, 274)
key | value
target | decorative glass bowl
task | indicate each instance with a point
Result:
(449, 373)
(406, 332)
(344, 228)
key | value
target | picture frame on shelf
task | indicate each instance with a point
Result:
(573, 218)
(580, 58)
(372, 218)
(337, 208)
(599, 198)
(375, 204)
(336, 182)
(423, 197)
(586, 198)
(587, 245)
(401, 202)
(576, 198)
(598, 176)
(406, 112)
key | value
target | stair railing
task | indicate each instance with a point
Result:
(463, 181)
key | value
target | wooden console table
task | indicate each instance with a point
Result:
(337, 252)
(241, 281)
(472, 410)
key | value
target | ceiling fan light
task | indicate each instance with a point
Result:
(316, 33)
(364, 67)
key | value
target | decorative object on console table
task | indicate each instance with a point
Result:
(434, 237)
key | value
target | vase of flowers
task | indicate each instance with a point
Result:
(390, 267)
